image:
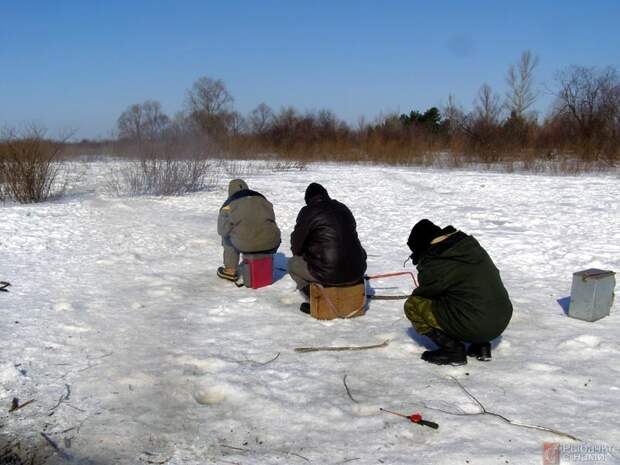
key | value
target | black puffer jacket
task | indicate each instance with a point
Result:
(326, 236)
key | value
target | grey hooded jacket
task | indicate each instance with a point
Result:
(247, 220)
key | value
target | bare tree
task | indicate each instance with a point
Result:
(287, 116)
(327, 120)
(520, 79)
(487, 108)
(590, 98)
(142, 122)
(209, 104)
(130, 123)
(454, 114)
(236, 123)
(155, 121)
(260, 119)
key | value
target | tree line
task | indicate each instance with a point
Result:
(583, 122)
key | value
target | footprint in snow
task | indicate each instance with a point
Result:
(581, 342)
(543, 367)
(198, 244)
(162, 292)
(76, 329)
(365, 410)
(198, 366)
(217, 393)
(63, 306)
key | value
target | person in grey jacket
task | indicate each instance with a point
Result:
(247, 224)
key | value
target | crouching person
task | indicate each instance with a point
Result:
(461, 297)
(247, 224)
(325, 246)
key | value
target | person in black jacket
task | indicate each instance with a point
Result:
(325, 245)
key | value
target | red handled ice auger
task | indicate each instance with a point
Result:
(414, 418)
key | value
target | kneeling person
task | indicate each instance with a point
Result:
(247, 224)
(461, 297)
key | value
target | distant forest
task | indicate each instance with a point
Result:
(582, 126)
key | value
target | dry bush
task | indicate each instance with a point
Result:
(86, 150)
(30, 166)
(239, 168)
(14, 451)
(278, 166)
(162, 176)
(244, 168)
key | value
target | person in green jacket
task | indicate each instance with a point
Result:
(460, 297)
(247, 224)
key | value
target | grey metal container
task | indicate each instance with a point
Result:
(592, 294)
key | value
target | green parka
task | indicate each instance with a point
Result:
(469, 298)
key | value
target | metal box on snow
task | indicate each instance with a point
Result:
(592, 294)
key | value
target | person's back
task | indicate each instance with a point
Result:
(253, 223)
(247, 224)
(325, 236)
(470, 297)
(461, 297)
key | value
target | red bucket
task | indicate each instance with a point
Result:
(257, 270)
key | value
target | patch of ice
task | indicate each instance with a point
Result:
(8, 373)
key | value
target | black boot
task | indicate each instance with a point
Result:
(480, 350)
(305, 291)
(305, 308)
(450, 352)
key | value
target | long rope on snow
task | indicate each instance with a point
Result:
(483, 411)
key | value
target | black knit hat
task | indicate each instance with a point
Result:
(315, 190)
(420, 238)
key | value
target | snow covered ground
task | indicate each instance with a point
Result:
(135, 352)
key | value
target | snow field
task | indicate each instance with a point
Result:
(117, 298)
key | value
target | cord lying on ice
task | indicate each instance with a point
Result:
(344, 381)
(484, 411)
(273, 451)
(262, 364)
(64, 397)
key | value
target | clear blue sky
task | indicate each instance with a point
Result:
(79, 64)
